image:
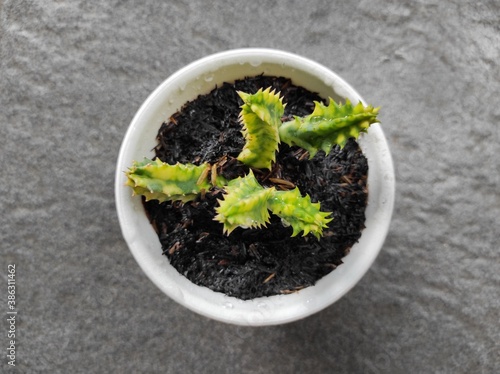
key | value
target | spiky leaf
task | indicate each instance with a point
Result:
(261, 116)
(299, 212)
(247, 204)
(244, 204)
(157, 180)
(328, 125)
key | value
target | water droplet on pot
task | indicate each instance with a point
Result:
(176, 293)
(256, 319)
(209, 78)
(227, 305)
(255, 63)
(310, 303)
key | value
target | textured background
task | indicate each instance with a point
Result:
(72, 75)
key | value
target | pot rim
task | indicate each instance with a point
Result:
(199, 77)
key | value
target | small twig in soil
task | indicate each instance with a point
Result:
(174, 248)
(269, 278)
(297, 289)
(282, 183)
(213, 176)
(203, 235)
(202, 176)
(345, 179)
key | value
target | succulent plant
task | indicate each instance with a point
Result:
(327, 126)
(299, 212)
(246, 202)
(261, 117)
(157, 180)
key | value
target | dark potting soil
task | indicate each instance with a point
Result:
(251, 263)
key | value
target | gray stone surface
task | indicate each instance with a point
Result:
(72, 75)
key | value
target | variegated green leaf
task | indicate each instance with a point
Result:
(244, 204)
(327, 126)
(157, 180)
(261, 116)
(299, 212)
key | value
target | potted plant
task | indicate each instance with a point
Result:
(244, 200)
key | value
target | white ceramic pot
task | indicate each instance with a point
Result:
(201, 77)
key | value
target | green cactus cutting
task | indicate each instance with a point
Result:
(299, 212)
(261, 116)
(327, 126)
(157, 180)
(246, 203)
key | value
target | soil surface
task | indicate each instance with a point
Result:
(251, 263)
